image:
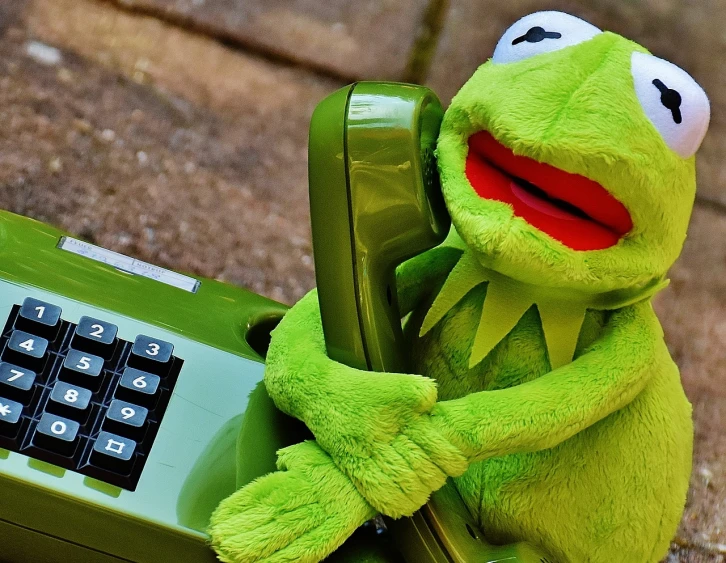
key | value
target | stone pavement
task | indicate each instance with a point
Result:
(175, 131)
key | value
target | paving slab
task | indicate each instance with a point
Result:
(689, 34)
(351, 38)
(155, 143)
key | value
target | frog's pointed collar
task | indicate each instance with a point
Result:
(562, 311)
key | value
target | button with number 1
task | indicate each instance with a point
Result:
(39, 317)
(95, 336)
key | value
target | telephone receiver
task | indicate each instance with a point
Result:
(375, 201)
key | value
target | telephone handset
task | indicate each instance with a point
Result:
(375, 201)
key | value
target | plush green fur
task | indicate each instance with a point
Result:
(590, 460)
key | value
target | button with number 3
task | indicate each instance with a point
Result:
(97, 337)
(151, 354)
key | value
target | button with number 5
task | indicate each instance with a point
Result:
(95, 336)
(138, 387)
(151, 354)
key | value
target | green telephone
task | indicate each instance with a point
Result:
(131, 397)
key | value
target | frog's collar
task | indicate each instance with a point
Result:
(562, 311)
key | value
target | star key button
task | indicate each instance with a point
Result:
(10, 412)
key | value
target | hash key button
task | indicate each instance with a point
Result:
(138, 387)
(26, 350)
(97, 337)
(69, 400)
(10, 412)
(151, 354)
(16, 382)
(56, 434)
(126, 419)
(113, 452)
(39, 318)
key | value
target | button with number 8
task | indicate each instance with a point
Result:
(138, 387)
(69, 400)
(95, 336)
(126, 419)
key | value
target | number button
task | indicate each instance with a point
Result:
(39, 318)
(138, 387)
(126, 419)
(97, 337)
(114, 453)
(57, 434)
(16, 382)
(26, 350)
(69, 400)
(83, 369)
(151, 354)
(10, 412)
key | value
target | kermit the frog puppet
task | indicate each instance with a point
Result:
(546, 390)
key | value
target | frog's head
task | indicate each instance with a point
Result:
(567, 159)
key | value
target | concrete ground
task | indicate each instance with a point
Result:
(175, 131)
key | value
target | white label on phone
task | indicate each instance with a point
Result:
(128, 264)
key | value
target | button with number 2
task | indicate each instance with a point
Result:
(95, 336)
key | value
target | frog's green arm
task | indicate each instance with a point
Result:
(546, 411)
(422, 276)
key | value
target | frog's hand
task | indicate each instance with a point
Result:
(546, 411)
(301, 513)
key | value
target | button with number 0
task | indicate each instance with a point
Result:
(138, 387)
(16, 382)
(95, 336)
(82, 369)
(126, 419)
(151, 354)
(26, 350)
(39, 317)
(69, 400)
(56, 434)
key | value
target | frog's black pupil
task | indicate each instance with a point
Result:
(535, 35)
(671, 99)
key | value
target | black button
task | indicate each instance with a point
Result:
(56, 434)
(83, 369)
(69, 400)
(26, 350)
(113, 452)
(10, 412)
(151, 354)
(16, 382)
(126, 419)
(138, 387)
(97, 337)
(39, 317)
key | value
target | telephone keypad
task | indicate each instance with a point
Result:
(80, 397)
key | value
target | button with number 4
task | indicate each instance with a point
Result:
(26, 350)
(83, 369)
(39, 318)
(126, 419)
(138, 387)
(151, 354)
(96, 337)
(16, 382)
(57, 434)
(69, 400)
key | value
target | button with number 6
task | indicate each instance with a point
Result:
(138, 387)
(151, 354)
(95, 336)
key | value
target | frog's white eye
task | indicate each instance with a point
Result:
(541, 32)
(673, 101)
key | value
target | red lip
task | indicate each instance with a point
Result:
(572, 209)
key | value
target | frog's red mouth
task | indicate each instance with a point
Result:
(572, 209)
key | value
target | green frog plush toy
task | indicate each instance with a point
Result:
(547, 392)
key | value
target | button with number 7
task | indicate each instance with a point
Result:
(138, 387)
